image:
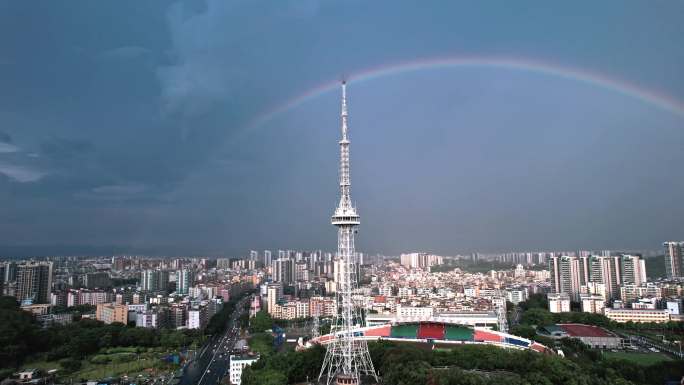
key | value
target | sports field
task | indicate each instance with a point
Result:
(637, 357)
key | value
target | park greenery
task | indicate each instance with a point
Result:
(407, 364)
(84, 344)
(535, 315)
(261, 322)
(288, 367)
(22, 339)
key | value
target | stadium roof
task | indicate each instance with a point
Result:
(581, 330)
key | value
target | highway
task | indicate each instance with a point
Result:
(213, 361)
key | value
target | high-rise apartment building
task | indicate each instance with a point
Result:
(184, 280)
(97, 280)
(284, 270)
(559, 302)
(606, 270)
(633, 270)
(420, 260)
(3, 268)
(197, 318)
(267, 258)
(10, 272)
(154, 280)
(566, 275)
(674, 259)
(274, 292)
(34, 282)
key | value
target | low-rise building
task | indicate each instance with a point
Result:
(110, 313)
(237, 363)
(559, 302)
(515, 295)
(472, 318)
(197, 318)
(592, 303)
(47, 320)
(637, 315)
(414, 312)
(593, 336)
(147, 319)
(674, 306)
(37, 309)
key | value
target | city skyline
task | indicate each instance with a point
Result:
(161, 131)
(173, 175)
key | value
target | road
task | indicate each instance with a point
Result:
(213, 361)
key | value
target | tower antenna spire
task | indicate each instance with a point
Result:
(347, 357)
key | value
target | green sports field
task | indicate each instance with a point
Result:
(637, 357)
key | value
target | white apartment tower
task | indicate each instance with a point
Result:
(674, 259)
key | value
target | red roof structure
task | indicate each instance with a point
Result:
(581, 330)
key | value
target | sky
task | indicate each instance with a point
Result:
(211, 127)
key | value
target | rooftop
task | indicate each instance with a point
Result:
(580, 330)
(244, 357)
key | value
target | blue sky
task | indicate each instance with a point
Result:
(128, 126)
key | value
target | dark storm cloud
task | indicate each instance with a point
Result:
(8, 148)
(21, 174)
(65, 149)
(135, 116)
(125, 53)
(5, 137)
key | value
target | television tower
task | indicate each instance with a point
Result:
(346, 358)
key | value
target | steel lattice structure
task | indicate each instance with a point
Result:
(346, 357)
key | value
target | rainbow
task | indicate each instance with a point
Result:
(658, 99)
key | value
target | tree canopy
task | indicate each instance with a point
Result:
(406, 364)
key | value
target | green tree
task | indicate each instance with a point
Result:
(525, 331)
(8, 303)
(537, 317)
(535, 301)
(70, 365)
(261, 322)
(263, 377)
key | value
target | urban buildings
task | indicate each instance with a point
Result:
(633, 270)
(154, 280)
(592, 303)
(420, 260)
(34, 282)
(592, 336)
(147, 319)
(566, 275)
(674, 259)
(109, 313)
(559, 302)
(637, 315)
(237, 363)
(184, 280)
(595, 274)
(198, 318)
(97, 280)
(283, 270)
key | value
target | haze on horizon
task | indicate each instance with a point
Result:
(130, 126)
